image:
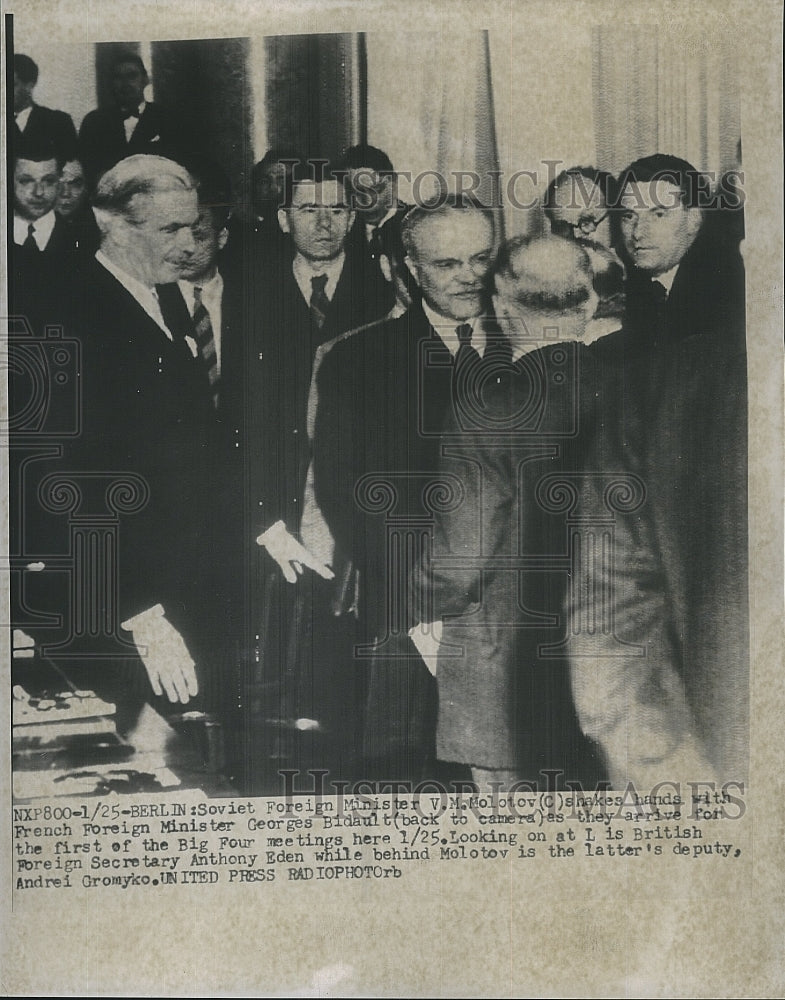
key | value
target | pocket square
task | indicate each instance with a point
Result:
(155, 138)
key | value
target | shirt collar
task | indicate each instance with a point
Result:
(667, 279)
(22, 117)
(146, 297)
(212, 289)
(304, 270)
(43, 228)
(446, 329)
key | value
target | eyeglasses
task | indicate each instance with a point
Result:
(589, 223)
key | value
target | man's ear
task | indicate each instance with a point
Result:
(410, 264)
(283, 220)
(223, 236)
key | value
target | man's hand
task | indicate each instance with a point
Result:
(290, 554)
(165, 657)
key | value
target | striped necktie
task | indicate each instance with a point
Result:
(205, 341)
(319, 302)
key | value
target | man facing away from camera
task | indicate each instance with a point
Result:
(383, 393)
(497, 567)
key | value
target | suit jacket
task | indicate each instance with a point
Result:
(40, 280)
(102, 140)
(47, 125)
(498, 572)
(383, 396)
(678, 584)
(282, 356)
(707, 297)
(144, 412)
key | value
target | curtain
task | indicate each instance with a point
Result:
(430, 108)
(658, 90)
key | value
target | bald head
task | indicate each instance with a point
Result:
(547, 283)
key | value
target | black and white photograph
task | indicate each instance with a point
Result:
(393, 415)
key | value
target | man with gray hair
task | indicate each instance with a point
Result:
(497, 567)
(146, 411)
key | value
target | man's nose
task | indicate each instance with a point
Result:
(324, 217)
(187, 241)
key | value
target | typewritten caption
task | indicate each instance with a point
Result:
(153, 842)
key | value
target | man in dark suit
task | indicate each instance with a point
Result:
(677, 582)
(206, 305)
(73, 206)
(132, 125)
(383, 394)
(499, 562)
(684, 275)
(315, 290)
(374, 188)
(146, 411)
(45, 250)
(35, 124)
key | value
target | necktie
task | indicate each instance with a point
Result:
(30, 243)
(375, 243)
(205, 341)
(319, 302)
(465, 350)
(660, 301)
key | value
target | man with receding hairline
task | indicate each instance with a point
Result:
(383, 393)
(493, 573)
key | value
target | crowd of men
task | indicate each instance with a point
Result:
(409, 501)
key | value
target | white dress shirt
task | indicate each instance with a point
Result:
(304, 270)
(667, 279)
(446, 328)
(129, 124)
(22, 117)
(146, 297)
(42, 229)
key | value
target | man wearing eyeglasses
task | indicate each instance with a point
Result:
(576, 204)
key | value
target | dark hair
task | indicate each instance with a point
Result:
(25, 68)
(460, 202)
(364, 155)
(39, 150)
(693, 185)
(313, 171)
(128, 57)
(213, 185)
(275, 155)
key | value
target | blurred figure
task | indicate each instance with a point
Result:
(664, 689)
(34, 124)
(268, 188)
(132, 125)
(374, 187)
(608, 284)
(73, 206)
